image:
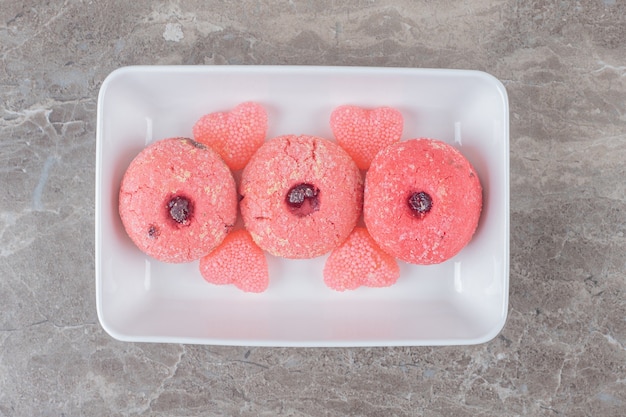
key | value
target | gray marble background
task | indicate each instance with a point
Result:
(563, 349)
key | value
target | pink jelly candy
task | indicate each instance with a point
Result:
(364, 132)
(234, 135)
(239, 261)
(359, 262)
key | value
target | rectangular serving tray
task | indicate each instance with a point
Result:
(461, 301)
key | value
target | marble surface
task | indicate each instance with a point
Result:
(563, 349)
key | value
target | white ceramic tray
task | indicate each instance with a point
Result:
(461, 301)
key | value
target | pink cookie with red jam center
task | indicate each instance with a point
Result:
(301, 196)
(422, 201)
(359, 262)
(177, 200)
(235, 134)
(239, 261)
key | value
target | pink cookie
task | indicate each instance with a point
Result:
(364, 132)
(359, 262)
(177, 200)
(422, 201)
(301, 196)
(235, 135)
(239, 261)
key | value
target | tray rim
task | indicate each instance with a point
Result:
(287, 69)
